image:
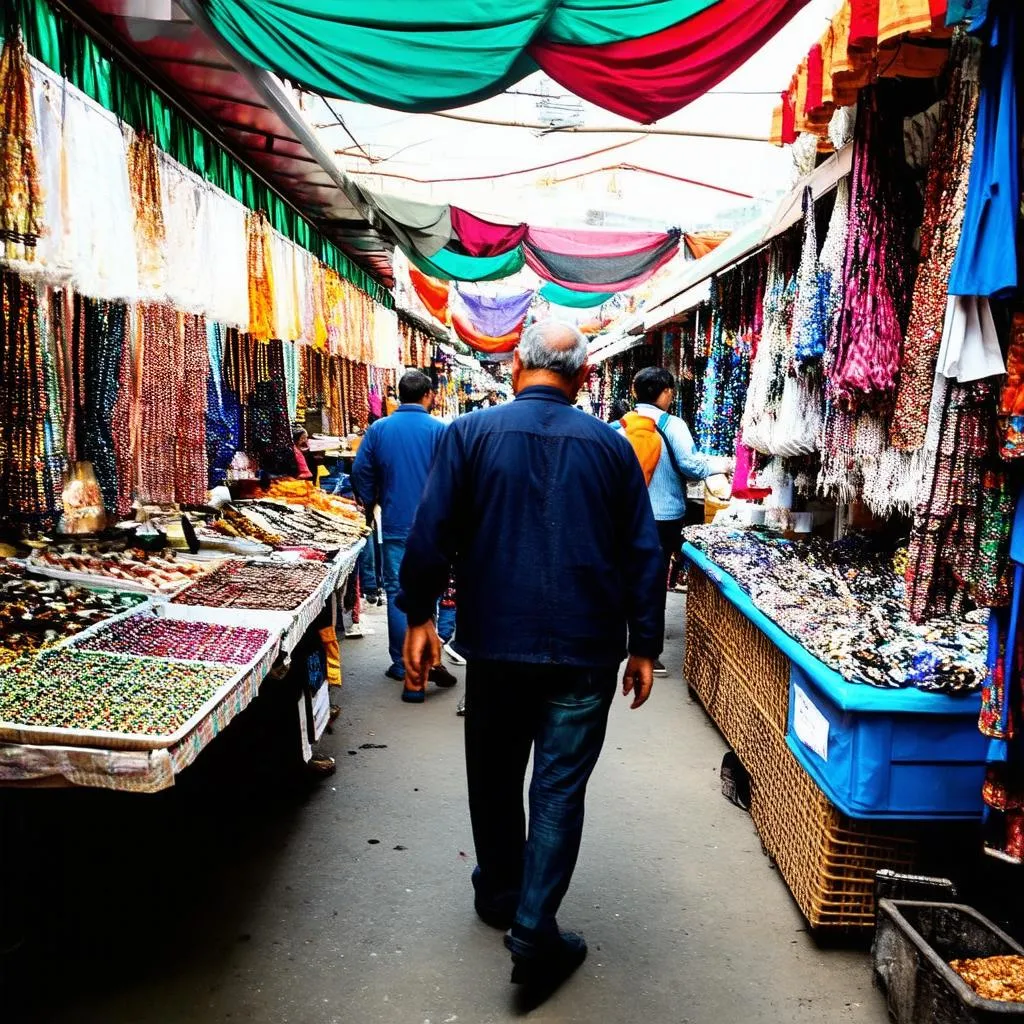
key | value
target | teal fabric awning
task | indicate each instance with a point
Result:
(557, 295)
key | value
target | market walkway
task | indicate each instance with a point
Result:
(223, 901)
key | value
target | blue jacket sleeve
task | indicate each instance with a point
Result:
(431, 546)
(364, 474)
(694, 464)
(644, 569)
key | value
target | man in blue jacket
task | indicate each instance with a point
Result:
(544, 512)
(390, 470)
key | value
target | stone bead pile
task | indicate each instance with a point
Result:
(155, 637)
(262, 586)
(37, 613)
(164, 572)
(93, 691)
(846, 604)
(277, 523)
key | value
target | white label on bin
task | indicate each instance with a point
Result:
(809, 724)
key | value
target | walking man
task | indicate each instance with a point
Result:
(674, 461)
(544, 513)
(390, 470)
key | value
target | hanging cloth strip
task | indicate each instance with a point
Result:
(483, 342)
(424, 227)
(557, 295)
(451, 266)
(432, 293)
(492, 315)
(479, 237)
(649, 78)
(577, 262)
(635, 57)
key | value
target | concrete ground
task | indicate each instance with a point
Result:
(237, 897)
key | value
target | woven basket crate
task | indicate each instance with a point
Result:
(742, 679)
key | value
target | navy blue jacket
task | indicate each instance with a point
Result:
(545, 515)
(392, 464)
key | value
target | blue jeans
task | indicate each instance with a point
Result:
(445, 623)
(369, 570)
(392, 552)
(562, 713)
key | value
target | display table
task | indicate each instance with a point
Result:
(740, 665)
(119, 766)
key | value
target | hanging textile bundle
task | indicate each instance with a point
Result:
(261, 277)
(868, 329)
(478, 237)
(810, 315)
(147, 201)
(432, 293)
(21, 195)
(945, 199)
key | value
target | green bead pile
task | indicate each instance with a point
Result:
(68, 689)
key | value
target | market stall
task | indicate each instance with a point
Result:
(161, 338)
(857, 352)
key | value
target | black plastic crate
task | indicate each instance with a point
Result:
(913, 946)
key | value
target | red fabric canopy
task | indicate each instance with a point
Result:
(648, 78)
(481, 237)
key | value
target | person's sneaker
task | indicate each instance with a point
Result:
(393, 673)
(544, 963)
(453, 655)
(413, 696)
(382, 599)
(460, 708)
(442, 677)
(659, 669)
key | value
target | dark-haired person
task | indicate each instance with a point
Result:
(390, 470)
(654, 390)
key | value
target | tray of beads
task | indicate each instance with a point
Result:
(133, 570)
(253, 585)
(152, 636)
(92, 698)
(278, 523)
(37, 613)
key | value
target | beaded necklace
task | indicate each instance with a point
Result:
(261, 277)
(147, 201)
(27, 494)
(190, 469)
(158, 407)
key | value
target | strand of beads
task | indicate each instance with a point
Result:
(158, 416)
(190, 469)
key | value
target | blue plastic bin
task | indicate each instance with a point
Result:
(875, 764)
(875, 753)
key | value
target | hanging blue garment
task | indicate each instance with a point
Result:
(974, 12)
(986, 258)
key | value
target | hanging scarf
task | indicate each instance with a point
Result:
(869, 332)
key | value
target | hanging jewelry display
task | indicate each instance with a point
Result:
(190, 468)
(21, 195)
(28, 501)
(158, 343)
(147, 201)
(100, 334)
(271, 431)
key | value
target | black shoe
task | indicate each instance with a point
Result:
(544, 963)
(392, 673)
(440, 675)
(498, 913)
(659, 669)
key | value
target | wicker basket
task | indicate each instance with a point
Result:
(742, 679)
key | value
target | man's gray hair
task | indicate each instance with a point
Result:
(554, 346)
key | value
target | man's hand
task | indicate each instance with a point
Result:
(422, 651)
(638, 679)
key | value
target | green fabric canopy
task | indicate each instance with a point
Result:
(417, 56)
(453, 266)
(558, 295)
